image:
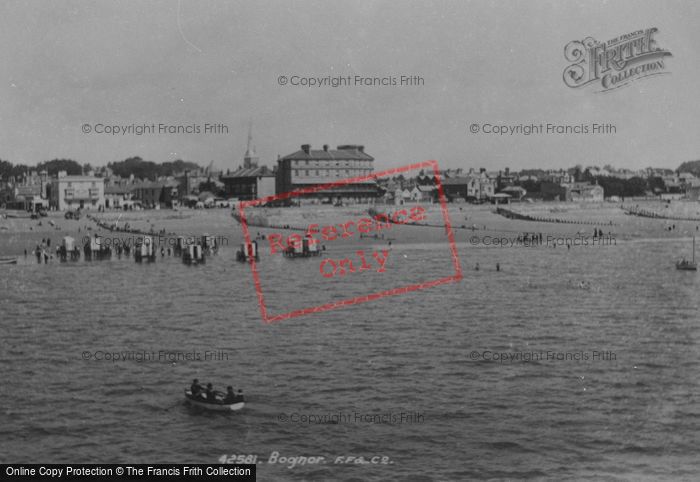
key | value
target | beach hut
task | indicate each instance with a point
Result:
(68, 250)
(144, 249)
(194, 254)
(311, 249)
(180, 245)
(248, 252)
(209, 244)
(96, 249)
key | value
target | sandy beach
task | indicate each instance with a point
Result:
(20, 233)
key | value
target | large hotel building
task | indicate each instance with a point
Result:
(311, 167)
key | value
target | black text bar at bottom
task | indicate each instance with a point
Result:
(123, 472)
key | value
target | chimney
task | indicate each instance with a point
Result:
(507, 171)
(325, 147)
(306, 148)
(361, 148)
(482, 170)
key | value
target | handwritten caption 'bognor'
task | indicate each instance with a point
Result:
(292, 461)
(330, 267)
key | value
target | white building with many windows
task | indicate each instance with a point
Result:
(73, 192)
(311, 167)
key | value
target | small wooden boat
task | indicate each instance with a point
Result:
(8, 260)
(219, 405)
(685, 265)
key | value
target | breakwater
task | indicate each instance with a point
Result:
(507, 213)
(645, 213)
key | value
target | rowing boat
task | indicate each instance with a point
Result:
(219, 405)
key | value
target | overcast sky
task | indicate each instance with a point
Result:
(68, 63)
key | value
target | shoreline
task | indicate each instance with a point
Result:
(19, 233)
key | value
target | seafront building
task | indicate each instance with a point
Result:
(73, 192)
(311, 167)
(158, 194)
(250, 181)
(475, 186)
(118, 196)
(572, 192)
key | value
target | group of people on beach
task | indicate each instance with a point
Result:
(210, 395)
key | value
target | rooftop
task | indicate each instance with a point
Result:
(345, 152)
(261, 171)
(78, 178)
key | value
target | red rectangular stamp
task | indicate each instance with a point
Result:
(308, 241)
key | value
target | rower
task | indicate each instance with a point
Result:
(211, 395)
(230, 395)
(195, 388)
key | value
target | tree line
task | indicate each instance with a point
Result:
(134, 165)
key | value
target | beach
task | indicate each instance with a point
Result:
(19, 233)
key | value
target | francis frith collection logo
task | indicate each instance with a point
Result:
(615, 63)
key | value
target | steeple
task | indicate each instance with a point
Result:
(250, 159)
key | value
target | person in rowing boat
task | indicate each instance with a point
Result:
(211, 394)
(195, 388)
(230, 395)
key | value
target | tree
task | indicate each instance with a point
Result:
(148, 169)
(54, 166)
(656, 184)
(211, 187)
(578, 175)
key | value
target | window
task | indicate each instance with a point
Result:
(306, 172)
(296, 173)
(316, 172)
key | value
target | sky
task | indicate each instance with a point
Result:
(66, 64)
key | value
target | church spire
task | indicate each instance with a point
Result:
(250, 159)
(248, 152)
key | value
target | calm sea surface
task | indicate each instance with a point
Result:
(632, 413)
